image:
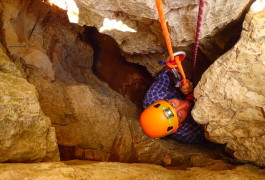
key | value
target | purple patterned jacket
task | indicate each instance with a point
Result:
(163, 89)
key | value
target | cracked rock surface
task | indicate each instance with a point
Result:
(97, 122)
(142, 17)
(26, 133)
(231, 94)
(145, 44)
(109, 171)
(89, 118)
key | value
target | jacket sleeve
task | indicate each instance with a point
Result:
(162, 89)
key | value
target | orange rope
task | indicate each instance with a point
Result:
(164, 28)
(163, 23)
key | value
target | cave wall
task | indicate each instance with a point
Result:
(231, 92)
(59, 64)
(143, 19)
(109, 65)
(26, 134)
(90, 119)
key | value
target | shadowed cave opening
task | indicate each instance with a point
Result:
(128, 79)
(132, 80)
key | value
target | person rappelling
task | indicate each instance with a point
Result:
(168, 101)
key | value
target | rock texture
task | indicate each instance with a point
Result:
(99, 124)
(128, 79)
(142, 17)
(145, 36)
(26, 134)
(121, 171)
(89, 118)
(231, 94)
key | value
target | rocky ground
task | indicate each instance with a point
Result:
(91, 170)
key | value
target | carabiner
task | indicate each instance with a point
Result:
(172, 64)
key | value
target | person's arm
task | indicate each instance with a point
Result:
(164, 88)
(158, 90)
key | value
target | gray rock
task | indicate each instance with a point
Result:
(142, 17)
(144, 43)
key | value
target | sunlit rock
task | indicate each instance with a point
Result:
(181, 17)
(26, 134)
(231, 94)
(143, 35)
(91, 120)
(120, 171)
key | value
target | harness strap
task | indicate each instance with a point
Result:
(174, 62)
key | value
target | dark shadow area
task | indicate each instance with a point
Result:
(212, 47)
(66, 152)
(128, 79)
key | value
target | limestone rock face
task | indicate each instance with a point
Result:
(98, 123)
(26, 133)
(231, 94)
(120, 171)
(141, 16)
(89, 118)
(134, 25)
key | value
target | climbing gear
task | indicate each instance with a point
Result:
(159, 120)
(198, 31)
(180, 54)
(173, 72)
(174, 60)
(174, 75)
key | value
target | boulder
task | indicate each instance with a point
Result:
(26, 134)
(231, 94)
(143, 19)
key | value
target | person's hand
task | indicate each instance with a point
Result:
(187, 88)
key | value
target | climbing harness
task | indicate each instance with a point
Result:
(174, 60)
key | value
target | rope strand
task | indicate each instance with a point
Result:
(163, 23)
(198, 31)
(173, 60)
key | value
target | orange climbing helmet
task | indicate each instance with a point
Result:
(159, 120)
